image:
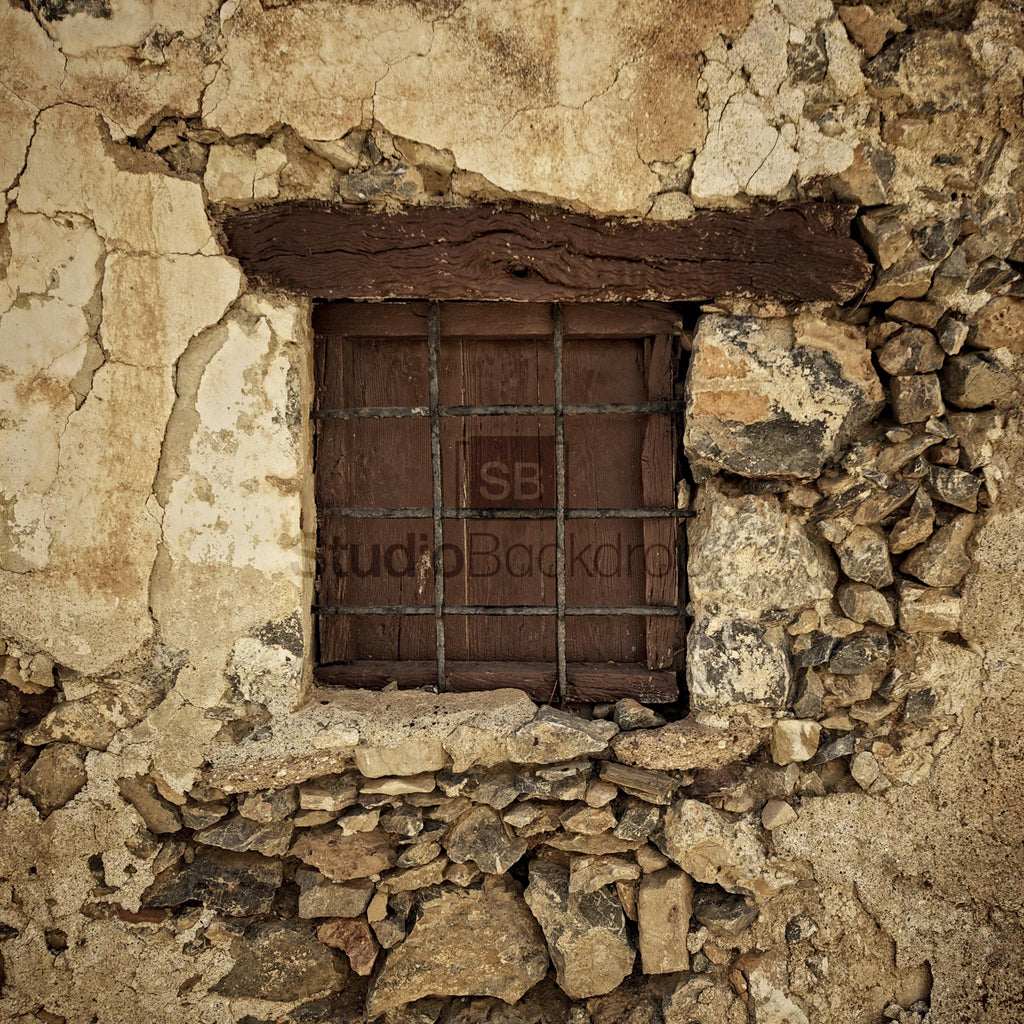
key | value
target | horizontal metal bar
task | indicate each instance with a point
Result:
(483, 609)
(384, 412)
(507, 513)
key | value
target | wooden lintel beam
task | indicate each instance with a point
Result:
(791, 254)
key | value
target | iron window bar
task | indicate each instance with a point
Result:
(434, 360)
(559, 505)
(508, 513)
(384, 412)
(641, 610)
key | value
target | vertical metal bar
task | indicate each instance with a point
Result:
(559, 501)
(434, 353)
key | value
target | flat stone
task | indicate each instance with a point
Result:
(916, 397)
(418, 854)
(480, 942)
(243, 834)
(911, 350)
(422, 783)
(777, 813)
(480, 836)
(748, 557)
(723, 913)
(160, 815)
(794, 740)
(881, 505)
(866, 651)
(329, 793)
(555, 735)
(587, 821)
(357, 821)
(864, 556)
(281, 963)
(909, 278)
(974, 379)
(55, 778)
(236, 884)
(342, 857)
(865, 604)
(270, 804)
(732, 662)
(663, 908)
(650, 859)
(353, 937)
(921, 314)
(598, 845)
(943, 560)
(689, 744)
(590, 873)
(320, 897)
(954, 487)
(775, 397)
(585, 932)
(928, 609)
(201, 815)
(712, 847)
(404, 822)
(411, 879)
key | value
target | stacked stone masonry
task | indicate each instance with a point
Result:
(828, 832)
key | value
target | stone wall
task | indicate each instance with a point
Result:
(192, 832)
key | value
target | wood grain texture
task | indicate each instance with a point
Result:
(797, 254)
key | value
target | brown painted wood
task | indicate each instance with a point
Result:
(801, 254)
(586, 682)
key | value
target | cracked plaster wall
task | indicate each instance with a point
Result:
(154, 454)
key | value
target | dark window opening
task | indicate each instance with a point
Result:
(496, 498)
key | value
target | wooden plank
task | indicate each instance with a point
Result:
(657, 468)
(801, 253)
(488, 320)
(586, 682)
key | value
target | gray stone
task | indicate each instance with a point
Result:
(775, 397)
(663, 908)
(865, 604)
(160, 815)
(243, 834)
(586, 933)
(320, 897)
(810, 696)
(943, 561)
(748, 557)
(482, 837)
(733, 662)
(952, 336)
(637, 821)
(236, 884)
(480, 942)
(199, 815)
(402, 821)
(55, 778)
(723, 913)
(497, 788)
(555, 735)
(975, 379)
(882, 504)
(269, 805)
(842, 746)
(563, 782)
(911, 350)
(342, 858)
(954, 487)
(280, 962)
(813, 649)
(864, 556)
(866, 651)
(916, 397)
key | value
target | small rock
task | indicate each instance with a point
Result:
(928, 609)
(354, 938)
(586, 933)
(976, 432)
(555, 735)
(952, 336)
(915, 398)
(481, 942)
(588, 874)
(402, 821)
(600, 793)
(398, 786)
(879, 506)
(663, 908)
(810, 694)
(497, 788)
(776, 813)
(846, 689)
(418, 854)
(842, 746)
(320, 897)
(869, 29)
(973, 380)
(723, 913)
(943, 561)
(331, 793)
(910, 532)
(269, 805)
(281, 963)
(243, 834)
(922, 314)
(55, 778)
(886, 240)
(236, 884)
(649, 858)
(597, 845)
(637, 822)
(865, 604)
(867, 651)
(909, 278)
(480, 836)
(864, 556)
(588, 821)
(159, 814)
(631, 714)
(813, 649)
(954, 487)
(911, 350)
(342, 858)
(357, 821)
(794, 740)
(411, 879)
(462, 874)
(201, 815)
(864, 768)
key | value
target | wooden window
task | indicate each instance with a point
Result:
(495, 487)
